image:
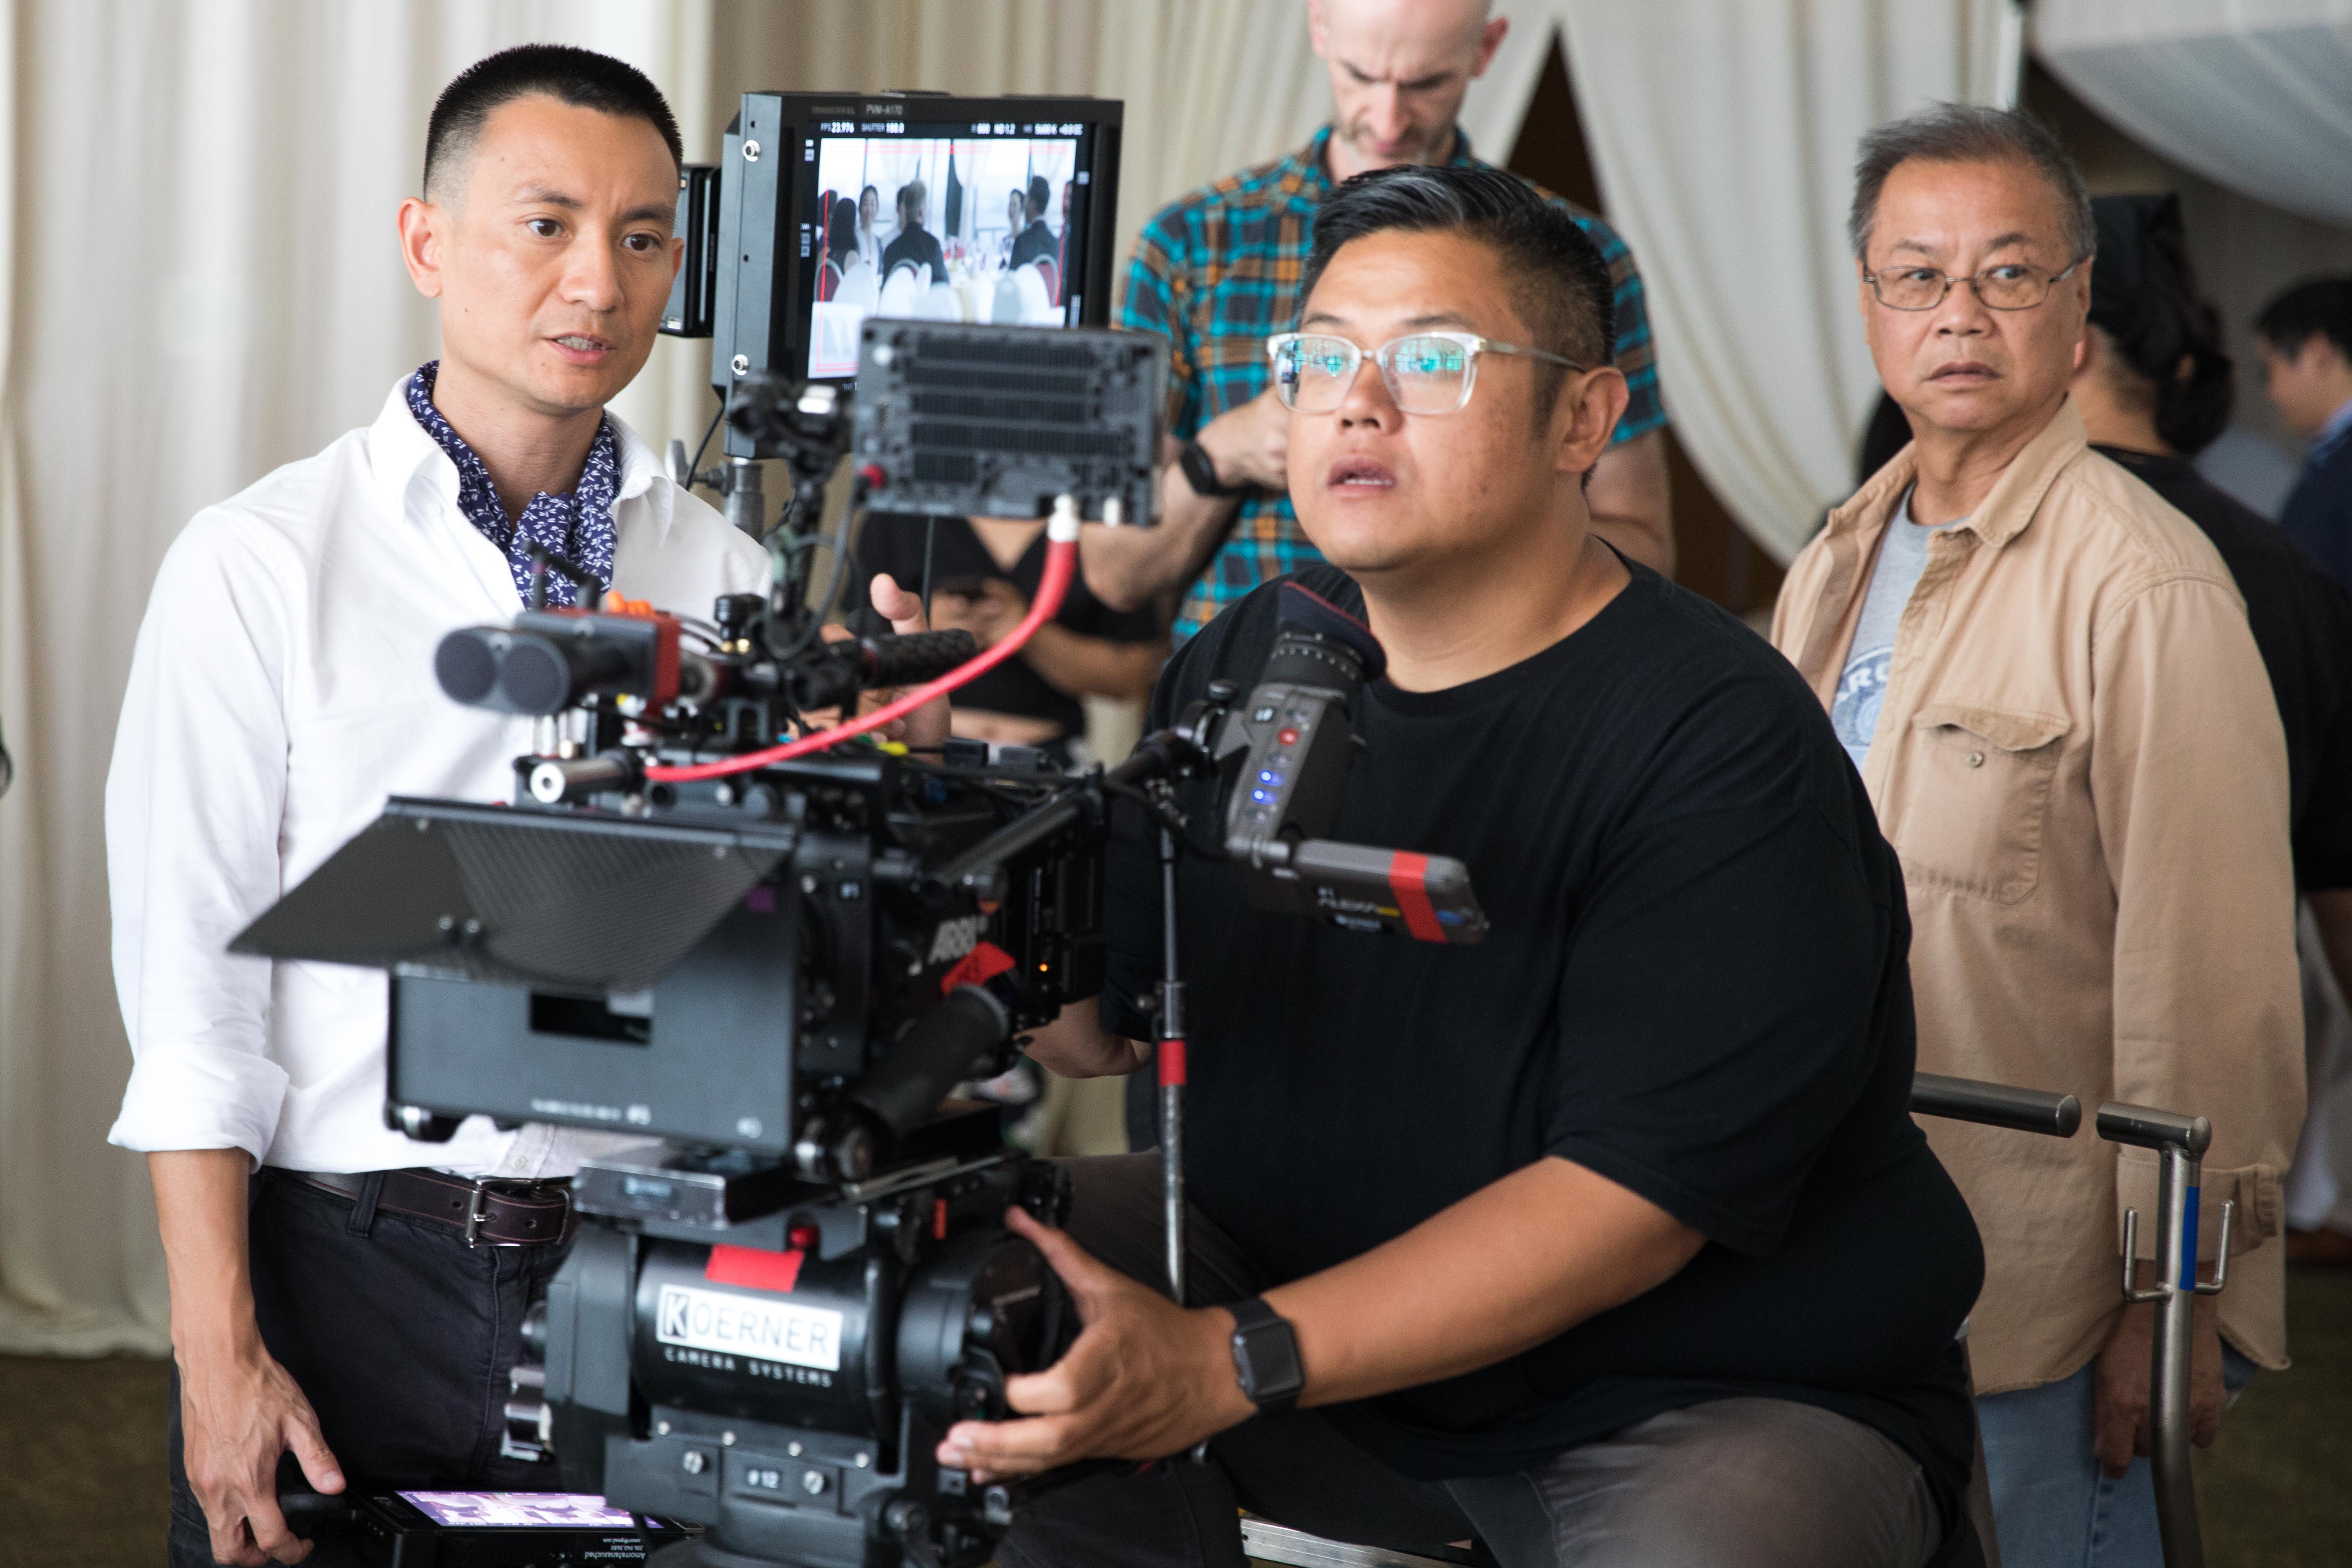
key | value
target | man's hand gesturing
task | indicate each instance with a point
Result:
(238, 1412)
(1145, 1379)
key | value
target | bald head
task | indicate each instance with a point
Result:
(1398, 72)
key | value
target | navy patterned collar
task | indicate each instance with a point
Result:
(578, 526)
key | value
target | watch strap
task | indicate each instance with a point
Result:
(1200, 471)
(1266, 1355)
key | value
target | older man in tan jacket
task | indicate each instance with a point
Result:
(2045, 676)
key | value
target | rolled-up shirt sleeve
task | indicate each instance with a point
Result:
(2190, 785)
(194, 804)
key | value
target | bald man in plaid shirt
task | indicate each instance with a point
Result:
(1217, 272)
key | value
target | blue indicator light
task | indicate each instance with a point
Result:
(1270, 777)
(1260, 795)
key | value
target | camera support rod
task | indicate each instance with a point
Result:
(1171, 1069)
(2180, 1143)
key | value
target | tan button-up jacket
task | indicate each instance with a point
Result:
(2079, 761)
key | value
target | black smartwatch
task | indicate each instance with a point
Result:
(1201, 472)
(1265, 1356)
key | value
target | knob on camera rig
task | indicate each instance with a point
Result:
(773, 950)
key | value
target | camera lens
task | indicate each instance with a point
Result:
(536, 677)
(466, 664)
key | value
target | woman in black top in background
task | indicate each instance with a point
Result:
(2154, 389)
(983, 573)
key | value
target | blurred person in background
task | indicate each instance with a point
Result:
(1032, 241)
(982, 573)
(2044, 674)
(840, 233)
(1016, 213)
(2155, 387)
(913, 243)
(2306, 335)
(869, 241)
(1217, 271)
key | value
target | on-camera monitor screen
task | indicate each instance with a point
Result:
(573, 1511)
(967, 222)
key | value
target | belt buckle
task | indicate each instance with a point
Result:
(481, 1188)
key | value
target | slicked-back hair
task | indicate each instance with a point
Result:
(2319, 309)
(581, 78)
(1971, 133)
(1559, 286)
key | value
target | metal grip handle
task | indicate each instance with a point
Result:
(1996, 1104)
(2148, 1128)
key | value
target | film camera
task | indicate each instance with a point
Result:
(772, 951)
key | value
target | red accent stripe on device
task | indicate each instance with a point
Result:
(983, 963)
(1408, 880)
(750, 1267)
(1171, 1064)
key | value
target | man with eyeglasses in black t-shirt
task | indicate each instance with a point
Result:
(1608, 1239)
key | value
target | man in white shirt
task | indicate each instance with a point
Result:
(327, 1300)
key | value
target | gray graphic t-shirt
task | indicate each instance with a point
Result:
(1854, 712)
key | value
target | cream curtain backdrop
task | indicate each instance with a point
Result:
(197, 198)
(2254, 94)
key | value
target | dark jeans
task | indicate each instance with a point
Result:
(400, 1336)
(1738, 1483)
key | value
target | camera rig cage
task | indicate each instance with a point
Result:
(774, 950)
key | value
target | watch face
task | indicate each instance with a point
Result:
(1265, 1354)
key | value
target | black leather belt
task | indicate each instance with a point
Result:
(490, 1211)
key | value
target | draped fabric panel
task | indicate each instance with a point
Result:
(2253, 94)
(196, 205)
(1723, 134)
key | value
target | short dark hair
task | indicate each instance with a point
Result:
(581, 78)
(1040, 197)
(1970, 134)
(913, 191)
(2321, 307)
(1560, 285)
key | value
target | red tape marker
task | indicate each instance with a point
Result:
(1409, 881)
(1171, 1063)
(750, 1267)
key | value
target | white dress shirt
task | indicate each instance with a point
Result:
(281, 688)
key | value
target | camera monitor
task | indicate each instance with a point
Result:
(828, 208)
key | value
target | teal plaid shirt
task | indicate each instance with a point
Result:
(1216, 272)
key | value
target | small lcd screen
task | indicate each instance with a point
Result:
(979, 222)
(545, 1511)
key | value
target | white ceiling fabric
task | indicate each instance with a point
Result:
(2253, 94)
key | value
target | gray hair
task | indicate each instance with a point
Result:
(1971, 133)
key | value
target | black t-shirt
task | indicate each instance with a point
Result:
(1696, 984)
(2301, 622)
(893, 542)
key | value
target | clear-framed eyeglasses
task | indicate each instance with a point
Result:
(1426, 372)
(2012, 286)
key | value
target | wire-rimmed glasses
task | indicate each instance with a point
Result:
(2012, 286)
(1426, 372)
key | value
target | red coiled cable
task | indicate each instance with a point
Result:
(1061, 566)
